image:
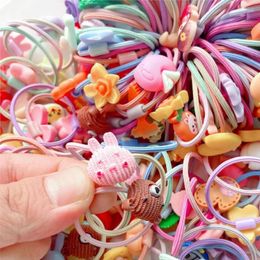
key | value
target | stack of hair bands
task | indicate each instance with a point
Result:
(161, 100)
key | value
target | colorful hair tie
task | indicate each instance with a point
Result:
(38, 132)
(243, 223)
(160, 100)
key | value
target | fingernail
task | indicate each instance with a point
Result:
(68, 186)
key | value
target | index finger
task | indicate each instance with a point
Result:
(14, 167)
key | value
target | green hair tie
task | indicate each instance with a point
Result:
(84, 4)
(41, 47)
(134, 10)
(249, 43)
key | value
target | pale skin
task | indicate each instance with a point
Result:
(39, 196)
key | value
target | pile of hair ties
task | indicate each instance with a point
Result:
(161, 100)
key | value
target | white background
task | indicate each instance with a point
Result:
(11, 10)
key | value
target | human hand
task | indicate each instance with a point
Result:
(39, 197)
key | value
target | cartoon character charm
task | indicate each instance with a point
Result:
(145, 200)
(185, 125)
(111, 164)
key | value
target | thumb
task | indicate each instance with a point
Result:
(38, 207)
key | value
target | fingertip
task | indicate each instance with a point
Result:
(68, 186)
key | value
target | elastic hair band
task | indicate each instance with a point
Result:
(241, 58)
(212, 12)
(30, 141)
(173, 10)
(216, 92)
(25, 62)
(168, 181)
(203, 129)
(226, 164)
(77, 91)
(189, 193)
(176, 245)
(244, 177)
(230, 27)
(52, 25)
(129, 9)
(248, 43)
(110, 61)
(254, 54)
(20, 31)
(124, 129)
(88, 239)
(215, 243)
(147, 38)
(152, 14)
(16, 125)
(136, 147)
(111, 16)
(201, 84)
(239, 224)
(240, 13)
(196, 230)
(222, 60)
(43, 34)
(123, 230)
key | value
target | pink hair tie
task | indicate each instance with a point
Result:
(232, 73)
(176, 245)
(109, 15)
(30, 141)
(232, 26)
(187, 185)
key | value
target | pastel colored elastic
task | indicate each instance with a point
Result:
(239, 224)
(19, 130)
(174, 85)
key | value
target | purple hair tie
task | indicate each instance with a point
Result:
(72, 8)
(241, 224)
(213, 242)
(19, 130)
